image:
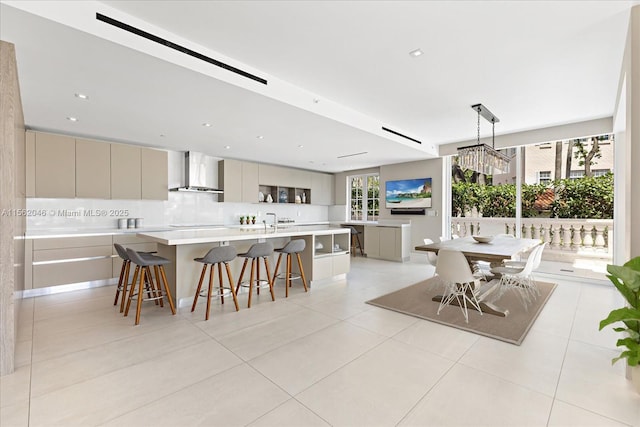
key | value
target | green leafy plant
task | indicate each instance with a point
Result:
(626, 279)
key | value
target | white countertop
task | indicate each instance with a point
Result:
(380, 223)
(186, 237)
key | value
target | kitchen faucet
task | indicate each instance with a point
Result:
(275, 219)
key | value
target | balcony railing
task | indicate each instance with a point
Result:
(566, 238)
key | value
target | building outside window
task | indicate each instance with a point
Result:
(364, 200)
(544, 177)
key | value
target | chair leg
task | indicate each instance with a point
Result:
(140, 293)
(157, 282)
(132, 289)
(167, 290)
(125, 285)
(304, 280)
(220, 282)
(269, 279)
(359, 245)
(258, 277)
(195, 298)
(287, 278)
(275, 272)
(244, 266)
(251, 277)
(119, 287)
(211, 270)
(233, 292)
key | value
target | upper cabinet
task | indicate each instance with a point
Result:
(59, 166)
(55, 166)
(239, 180)
(155, 175)
(93, 169)
(322, 188)
(126, 176)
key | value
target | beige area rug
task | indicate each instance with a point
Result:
(415, 300)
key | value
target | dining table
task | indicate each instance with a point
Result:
(494, 252)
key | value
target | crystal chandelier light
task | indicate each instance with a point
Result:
(480, 157)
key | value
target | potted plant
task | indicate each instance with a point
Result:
(242, 219)
(253, 219)
(626, 279)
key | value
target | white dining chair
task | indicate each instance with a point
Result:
(454, 271)
(518, 276)
(432, 257)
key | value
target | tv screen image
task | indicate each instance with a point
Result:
(408, 193)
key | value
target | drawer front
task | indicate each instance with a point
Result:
(71, 242)
(126, 239)
(322, 267)
(140, 247)
(71, 272)
(71, 253)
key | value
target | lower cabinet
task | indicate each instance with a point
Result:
(388, 243)
(62, 261)
(70, 260)
(330, 255)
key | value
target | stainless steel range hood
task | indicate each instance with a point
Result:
(200, 174)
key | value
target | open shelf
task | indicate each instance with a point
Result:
(286, 194)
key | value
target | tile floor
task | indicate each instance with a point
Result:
(315, 359)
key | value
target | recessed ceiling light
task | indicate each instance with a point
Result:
(416, 53)
(300, 146)
(207, 125)
(260, 137)
(81, 96)
(227, 147)
(162, 135)
(316, 100)
(72, 119)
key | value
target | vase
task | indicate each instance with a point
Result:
(269, 198)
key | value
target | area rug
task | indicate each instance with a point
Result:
(416, 300)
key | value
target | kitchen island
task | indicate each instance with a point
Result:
(326, 254)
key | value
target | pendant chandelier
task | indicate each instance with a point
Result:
(480, 157)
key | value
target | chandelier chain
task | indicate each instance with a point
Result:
(478, 126)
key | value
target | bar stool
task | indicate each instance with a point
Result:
(123, 281)
(142, 270)
(256, 251)
(355, 236)
(220, 255)
(293, 247)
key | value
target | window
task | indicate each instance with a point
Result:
(600, 172)
(364, 197)
(544, 177)
(575, 174)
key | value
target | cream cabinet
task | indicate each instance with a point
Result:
(126, 176)
(387, 242)
(93, 169)
(322, 188)
(67, 260)
(55, 166)
(275, 176)
(239, 180)
(329, 255)
(154, 174)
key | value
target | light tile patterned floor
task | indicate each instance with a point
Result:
(315, 359)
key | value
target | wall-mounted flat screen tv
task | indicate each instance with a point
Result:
(408, 193)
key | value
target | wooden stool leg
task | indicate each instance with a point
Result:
(304, 280)
(167, 290)
(132, 289)
(275, 272)
(125, 285)
(244, 266)
(140, 293)
(258, 276)
(220, 281)
(119, 287)
(359, 245)
(253, 262)
(195, 298)
(269, 280)
(157, 283)
(287, 280)
(211, 270)
(233, 292)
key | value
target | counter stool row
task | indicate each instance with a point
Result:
(225, 254)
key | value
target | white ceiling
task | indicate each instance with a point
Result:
(533, 64)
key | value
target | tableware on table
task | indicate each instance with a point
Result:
(483, 239)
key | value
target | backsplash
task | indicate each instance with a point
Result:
(180, 209)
